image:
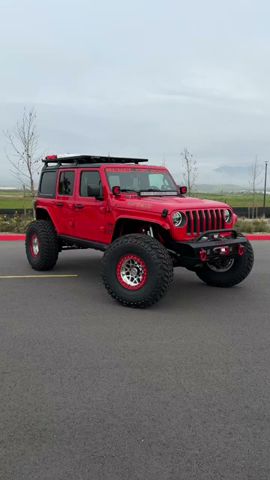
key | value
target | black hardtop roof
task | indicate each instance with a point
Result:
(54, 161)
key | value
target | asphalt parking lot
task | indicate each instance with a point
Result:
(92, 390)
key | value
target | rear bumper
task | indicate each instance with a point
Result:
(208, 246)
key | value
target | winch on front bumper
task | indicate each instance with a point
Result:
(209, 246)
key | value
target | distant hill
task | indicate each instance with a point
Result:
(233, 169)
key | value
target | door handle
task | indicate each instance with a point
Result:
(59, 204)
(78, 205)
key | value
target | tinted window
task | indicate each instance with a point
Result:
(47, 184)
(90, 180)
(66, 183)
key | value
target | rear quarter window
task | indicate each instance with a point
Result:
(47, 184)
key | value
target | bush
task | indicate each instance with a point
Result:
(250, 226)
(15, 224)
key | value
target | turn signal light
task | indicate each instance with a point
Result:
(116, 190)
(241, 250)
(203, 255)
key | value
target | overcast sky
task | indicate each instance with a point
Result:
(142, 77)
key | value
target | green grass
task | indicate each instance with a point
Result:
(236, 200)
(15, 200)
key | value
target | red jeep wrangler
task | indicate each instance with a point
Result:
(143, 222)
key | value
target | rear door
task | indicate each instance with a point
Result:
(65, 201)
(90, 212)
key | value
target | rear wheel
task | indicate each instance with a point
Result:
(228, 271)
(137, 270)
(41, 245)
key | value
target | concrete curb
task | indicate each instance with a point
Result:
(258, 237)
(11, 237)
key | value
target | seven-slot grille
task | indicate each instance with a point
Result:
(199, 221)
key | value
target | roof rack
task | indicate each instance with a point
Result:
(81, 159)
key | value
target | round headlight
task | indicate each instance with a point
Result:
(179, 219)
(227, 216)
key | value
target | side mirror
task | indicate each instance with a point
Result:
(116, 191)
(94, 191)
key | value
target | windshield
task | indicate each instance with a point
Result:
(141, 180)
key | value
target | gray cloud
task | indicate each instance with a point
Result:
(140, 78)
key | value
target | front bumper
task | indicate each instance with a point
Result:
(209, 246)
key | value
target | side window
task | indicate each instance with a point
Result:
(47, 184)
(66, 183)
(90, 184)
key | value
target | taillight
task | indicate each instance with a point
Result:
(51, 157)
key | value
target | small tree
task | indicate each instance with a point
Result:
(23, 140)
(190, 168)
(255, 173)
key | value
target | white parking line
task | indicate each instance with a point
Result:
(11, 277)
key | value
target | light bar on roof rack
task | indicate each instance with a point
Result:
(80, 159)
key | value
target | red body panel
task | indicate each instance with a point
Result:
(95, 220)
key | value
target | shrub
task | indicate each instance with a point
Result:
(246, 225)
(15, 224)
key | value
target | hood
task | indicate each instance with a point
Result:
(157, 204)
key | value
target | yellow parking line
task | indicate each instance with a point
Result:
(9, 277)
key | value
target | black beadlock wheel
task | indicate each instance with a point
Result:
(137, 270)
(231, 273)
(41, 245)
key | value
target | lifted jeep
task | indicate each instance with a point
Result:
(143, 222)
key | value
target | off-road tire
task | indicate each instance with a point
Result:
(44, 232)
(240, 269)
(158, 265)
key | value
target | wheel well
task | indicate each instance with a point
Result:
(126, 226)
(42, 214)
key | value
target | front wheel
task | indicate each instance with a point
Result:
(228, 271)
(41, 245)
(137, 270)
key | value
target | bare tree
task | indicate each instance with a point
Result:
(23, 142)
(190, 168)
(255, 173)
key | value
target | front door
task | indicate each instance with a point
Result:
(90, 208)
